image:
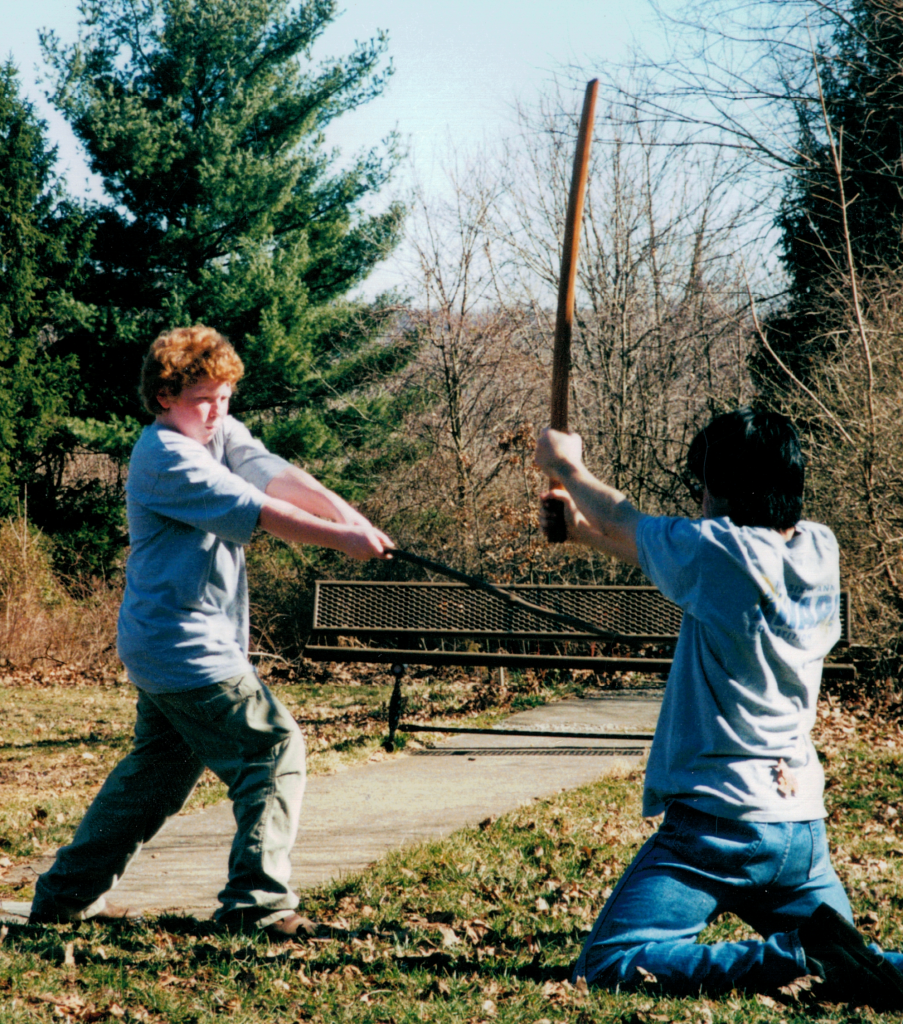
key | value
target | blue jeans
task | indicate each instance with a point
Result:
(696, 867)
(246, 737)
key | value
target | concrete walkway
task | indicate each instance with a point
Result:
(354, 817)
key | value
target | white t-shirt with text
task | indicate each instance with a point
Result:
(760, 614)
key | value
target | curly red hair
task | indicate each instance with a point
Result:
(179, 358)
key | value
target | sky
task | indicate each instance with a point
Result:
(459, 68)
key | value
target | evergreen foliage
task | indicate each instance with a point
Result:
(861, 76)
(204, 120)
(43, 243)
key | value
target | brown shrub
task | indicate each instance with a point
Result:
(43, 621)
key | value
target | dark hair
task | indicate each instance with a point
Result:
(752, 459)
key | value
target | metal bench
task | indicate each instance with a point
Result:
(402, 623)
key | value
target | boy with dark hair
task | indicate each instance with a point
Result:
(198, 485)
(753, 461)
(732, 765)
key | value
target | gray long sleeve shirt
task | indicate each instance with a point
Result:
(191, 508)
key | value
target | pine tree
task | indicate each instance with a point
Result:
(205, 120)
(42, 247)
(861, 76)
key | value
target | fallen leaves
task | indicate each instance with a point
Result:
(166, 979)
(564, 993)
(71, 1007)
(648, 978)
(801, 987)
(437, 987)
(504, 903)
(477, 930)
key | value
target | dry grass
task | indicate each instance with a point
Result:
(62, 729)
(45, 623)
(482, 927)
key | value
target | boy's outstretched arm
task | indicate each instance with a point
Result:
(300, 489)
(596, 514)
(301, 510)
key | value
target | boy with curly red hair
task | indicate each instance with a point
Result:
(198, 485)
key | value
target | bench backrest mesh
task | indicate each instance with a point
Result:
(449, 609)
(453, 608)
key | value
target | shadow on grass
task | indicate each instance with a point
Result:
(92, 738)
(210, 944)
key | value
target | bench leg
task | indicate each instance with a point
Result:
(394, 706)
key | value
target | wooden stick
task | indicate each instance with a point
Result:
(556, 530)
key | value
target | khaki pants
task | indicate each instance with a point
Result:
(247, 738)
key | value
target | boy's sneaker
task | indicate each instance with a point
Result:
(108, 914)
(292, 926)
(852, 972)
(295, 926)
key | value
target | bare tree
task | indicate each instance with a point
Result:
(850, 413)
(805, 96)
(660, 333)
(475, 377)
(774, 87)
(660, 336)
